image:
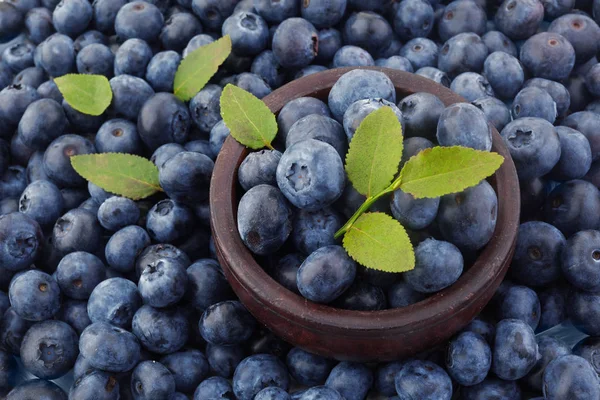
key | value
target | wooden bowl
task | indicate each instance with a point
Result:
(359, 335)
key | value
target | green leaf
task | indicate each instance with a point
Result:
(199, 66)
(378, 241)
(443, 170)
(375, 152)
(249, 120)
(89, 94)
(126, 175)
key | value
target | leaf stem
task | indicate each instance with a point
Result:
(362, 209)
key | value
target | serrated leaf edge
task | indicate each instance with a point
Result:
(156, 187)
(75, 106)
(401, 177)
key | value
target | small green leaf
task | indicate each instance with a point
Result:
(126, 175)
(443, 170)
(89, 94)
(199, 66)
(375, 152)
(378, 241)
(249, 120)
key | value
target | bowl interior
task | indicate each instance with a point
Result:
(476, 283)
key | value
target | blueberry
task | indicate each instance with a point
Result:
(579, 95)
(115, 301)
(421, 52)
(519, 19)
(548, 55)
(534, 146)
(297, 109)
(178, 30)
(207, 284)
(14, 100)
(139, 19)
(318, 393)
(581, 31)
(385, 377)
(326, 274)
(105, 12)
(504, 73)
(226, 323)
(158, 251)
(495, 110)
(583, 308)
(165, 152)
(257, 372)
(579, 260)
(259, 168)
(549, 349)
(588, 348)
(520, 302)
(252, 83)
(34, 295)
(43, 202)
(438, 265)
(266, 66)
(330, 41)
(49, 90)
(13, 181)
(498, 41)
(402, 294)
(109, 348)
(463, 124)
(37, 389)
(362, 296)
(185, 177)
(11, 22)
(249, 33)
(469, 358)
(471, 86)
(49, 349)
(9, 367)
(74, 313)
(366, 29)
(78, 274)
(163, 283)
(272, 393)
(81, 122)
(573, 206)
(358, 111)
(315, 229)
(130, 94)
(189, 368)
(38, 22)
(323, 13)
(88, 38)
(132, 58)
(584, 122)
(459, 17)
(32, 76)
(161, 331)
(72, 17)
(295, 43)
(534, 102)
(118, 212)
(95, 59)
(515, 349)
(215, 387)
(306, 368)
(420, 114)
(57, 164)
(570, 377)
(553, 305)
(56, 55)
(152, 380)
(224, 359)
(462, 53)
(118, 136)
(77, 230)
(412, 19)
(352, 56)
(490, 388)
(196, 42)
(124, 246)
(537, 261)
(9, 205)
(17, 57)
(286, 271)
(423, 380)
(161, 69)
(395, 62)
(275, 11)
(163, 119)
(95, 384)
(559, 93)
(205, 108)
(479, 206)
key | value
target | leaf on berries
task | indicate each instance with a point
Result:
(443, 170)
(375, 152)
(89, 94)
(196, 69)
(126, 175)
(249, 119)
(379, 242)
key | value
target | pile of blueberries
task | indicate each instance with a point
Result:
(118, 299)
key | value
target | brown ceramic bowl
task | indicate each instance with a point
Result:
(359, 335)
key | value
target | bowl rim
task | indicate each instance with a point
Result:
(241, 265)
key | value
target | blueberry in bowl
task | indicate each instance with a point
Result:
(276, 241)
